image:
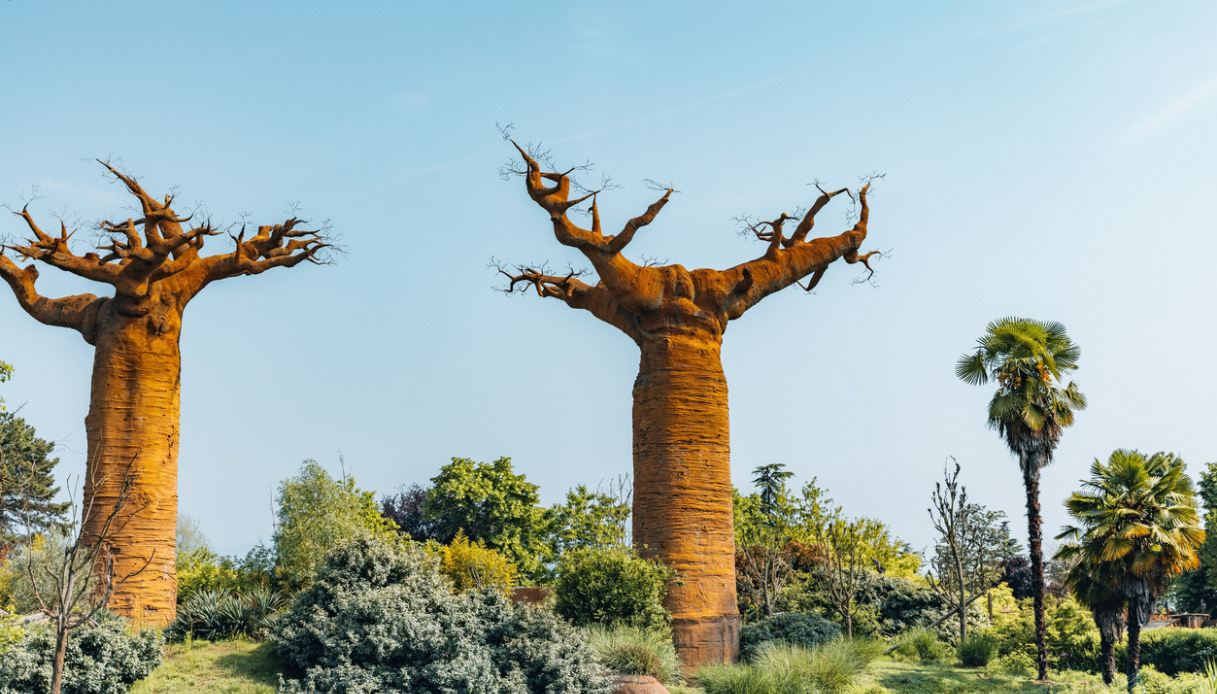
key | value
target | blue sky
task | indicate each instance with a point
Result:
(1044, 159)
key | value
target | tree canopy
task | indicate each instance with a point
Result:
(27, 487)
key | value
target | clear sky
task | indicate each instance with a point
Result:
(1050, 159)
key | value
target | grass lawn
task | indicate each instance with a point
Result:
(239, 666)
(246, 667)
(886, 675)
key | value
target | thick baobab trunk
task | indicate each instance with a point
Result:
(133, 426)
(1031, 478)
(682, 490)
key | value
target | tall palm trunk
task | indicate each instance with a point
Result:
(133, 427)
(1134, 648)
(1031, 479)
(682, 490)
(1109, 620)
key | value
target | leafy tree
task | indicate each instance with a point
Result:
(405, 510)
(27, 489)
(1196, 591)
(316, 512)
(1016, 573)
(764, 558)
(492, 504)
(1028, 358)
(1094, 588)
(6, 372)
(1138, 528)
(474, 566)
(589, 520)
(190, 536)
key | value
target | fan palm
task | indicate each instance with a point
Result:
(1095, 589)
(1138, 529)
(1028, 359)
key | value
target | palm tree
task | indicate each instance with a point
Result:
(1028, 358)
(1138, 529)
(1095, 588)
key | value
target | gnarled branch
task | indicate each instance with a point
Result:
(78, 312)
(597, 300)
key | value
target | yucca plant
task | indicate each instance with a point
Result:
(216, 614)
(1029, 360)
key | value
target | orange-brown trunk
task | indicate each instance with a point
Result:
(133, 421)
(682, 490)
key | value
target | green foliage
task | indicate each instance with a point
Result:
(102, 659)
(316, 513)
(473, 566)
(611, 586)
(189, 537)
(631, 650)
(977, 650)
(492, 504)
(214, 615)
(1173, 651)
(17, 589)
(27, 488)
(587, 520)
(202, 569)
(1019, 663)
(6, 372)
(791, 628)
(831, 668)
(922, 644)
(885, 605)
(380, 617)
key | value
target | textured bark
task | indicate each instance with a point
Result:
(677, 317)
(61, 650)
(133, 421)
(1107, 650)
(154, 268)
(1134, 650)
(1031, 479)
(682, 490)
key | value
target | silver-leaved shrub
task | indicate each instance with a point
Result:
(380, 617)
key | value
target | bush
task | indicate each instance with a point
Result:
(922, 643)
(473, 566)
(793, 628)
(316, 513)
(381, 617)
(1173, 651)
(977, 650)
(630, 650)
(203, 569)
(783, 669)
(611, 586)
(102, 659)
(215, 615)
(886, 605)
(1018, 663)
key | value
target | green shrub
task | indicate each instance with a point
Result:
(922, 643)
(784, 669)
(977, 650)
(214, 615)
(1173, 651)
(611, 586)
(380, 616)
(794, 628)
(631, 650)
(102, 659)
(474, 566)
(203, 569)
(1018, 664)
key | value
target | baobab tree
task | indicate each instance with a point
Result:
(682, 478)
(154, 267)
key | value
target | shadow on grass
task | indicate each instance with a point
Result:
(945, 679)
(258, 665)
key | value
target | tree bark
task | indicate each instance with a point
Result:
(1107, 650)
(1031, 478)
(682, 490)
(1134, 649)
(133, 425)
(61, 649)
